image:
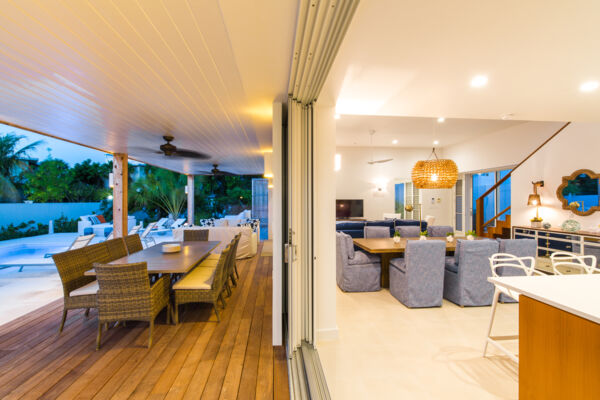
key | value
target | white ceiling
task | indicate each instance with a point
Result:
(118, 75)
(416, 58)
(353, 130)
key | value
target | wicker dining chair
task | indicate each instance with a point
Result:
(198, 286)
(195, 235)
(133, 243)
(232, 268)
(97, 253)
(71, 266)
(125, 294)
(116, 248)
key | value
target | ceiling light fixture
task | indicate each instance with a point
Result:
(395, 141)
(337, 116)
(441, 119)
(434, 173)
(589, 86)
(479, 81)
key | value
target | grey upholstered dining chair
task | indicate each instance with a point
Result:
(356, 271)
(465, 281)
(517, 248)
(377, 232)
(417, 280)
(408, 231)
(439, 230)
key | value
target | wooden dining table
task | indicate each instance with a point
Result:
(158, 262)
(388, 249)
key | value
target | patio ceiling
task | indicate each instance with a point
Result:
(117, 76)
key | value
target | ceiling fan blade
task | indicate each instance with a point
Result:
(379, 161)
(191, 154)
(225, 173)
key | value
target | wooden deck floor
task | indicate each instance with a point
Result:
(198, 358)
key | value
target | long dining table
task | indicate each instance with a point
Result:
(158, 262)
(388, 249)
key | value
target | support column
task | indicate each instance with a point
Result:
(190, 199)
(120, 195)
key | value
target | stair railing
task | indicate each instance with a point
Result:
(480, 224)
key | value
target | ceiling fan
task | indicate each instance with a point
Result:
(170, 150)
(215, 171)
(373, 162)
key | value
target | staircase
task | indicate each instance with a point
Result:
(500, 231)
(501, 228)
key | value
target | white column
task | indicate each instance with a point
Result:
(275, 223)
(120, 195)
(190, 199)
(324, 222)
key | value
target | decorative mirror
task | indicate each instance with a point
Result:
(580, 193)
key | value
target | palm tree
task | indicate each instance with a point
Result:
(160, 188)
(12, 162)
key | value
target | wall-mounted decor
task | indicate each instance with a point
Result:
(580, 192)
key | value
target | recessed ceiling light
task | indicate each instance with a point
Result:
(436, 142)
(337, 116)
(479, 81)
(441, 119)
(589, 86)
(395, 141)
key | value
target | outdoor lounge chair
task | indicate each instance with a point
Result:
(125, 294)
(78, 290)
(145, 236)
(177, 224)
(79, 242)
(204, 284)
(135, 229)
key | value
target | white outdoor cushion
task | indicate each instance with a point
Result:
(213, 256)
(221, 222)
(90, 288)
(198, 278)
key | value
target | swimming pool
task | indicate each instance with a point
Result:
(20, 255)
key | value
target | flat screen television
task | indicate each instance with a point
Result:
(348, 209)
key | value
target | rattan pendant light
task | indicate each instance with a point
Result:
(434, 173)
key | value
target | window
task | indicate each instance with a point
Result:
(459, 213)
(494, 202)
(399, 199)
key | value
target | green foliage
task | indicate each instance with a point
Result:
(50, 182)
(26, 229)
(397, 234)
(13, 162)
(159, 189)
(471, 233)
(217, 196)
(424, 233)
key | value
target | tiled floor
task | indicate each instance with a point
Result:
(387, 351)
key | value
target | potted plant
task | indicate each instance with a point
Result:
(396, 237)
(536, 222)
(450, 237)
(470, 235)
(423, 235)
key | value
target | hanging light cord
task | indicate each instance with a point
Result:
(433, 153)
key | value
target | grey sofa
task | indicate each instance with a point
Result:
(356, 271)
(465, 280)
(518, 248)
(439, 230)
(417, 280)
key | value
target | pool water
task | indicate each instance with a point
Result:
(28, 254)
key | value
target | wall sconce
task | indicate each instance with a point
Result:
(268, 166)
(337, 162)
(186, 189)
(380, 186)
(111, 180)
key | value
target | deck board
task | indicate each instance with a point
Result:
(199, 358)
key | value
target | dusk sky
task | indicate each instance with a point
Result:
(71, 153)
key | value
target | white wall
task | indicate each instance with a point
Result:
(358, 180)
(324, 223)
(574, 148)
(504, 148)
